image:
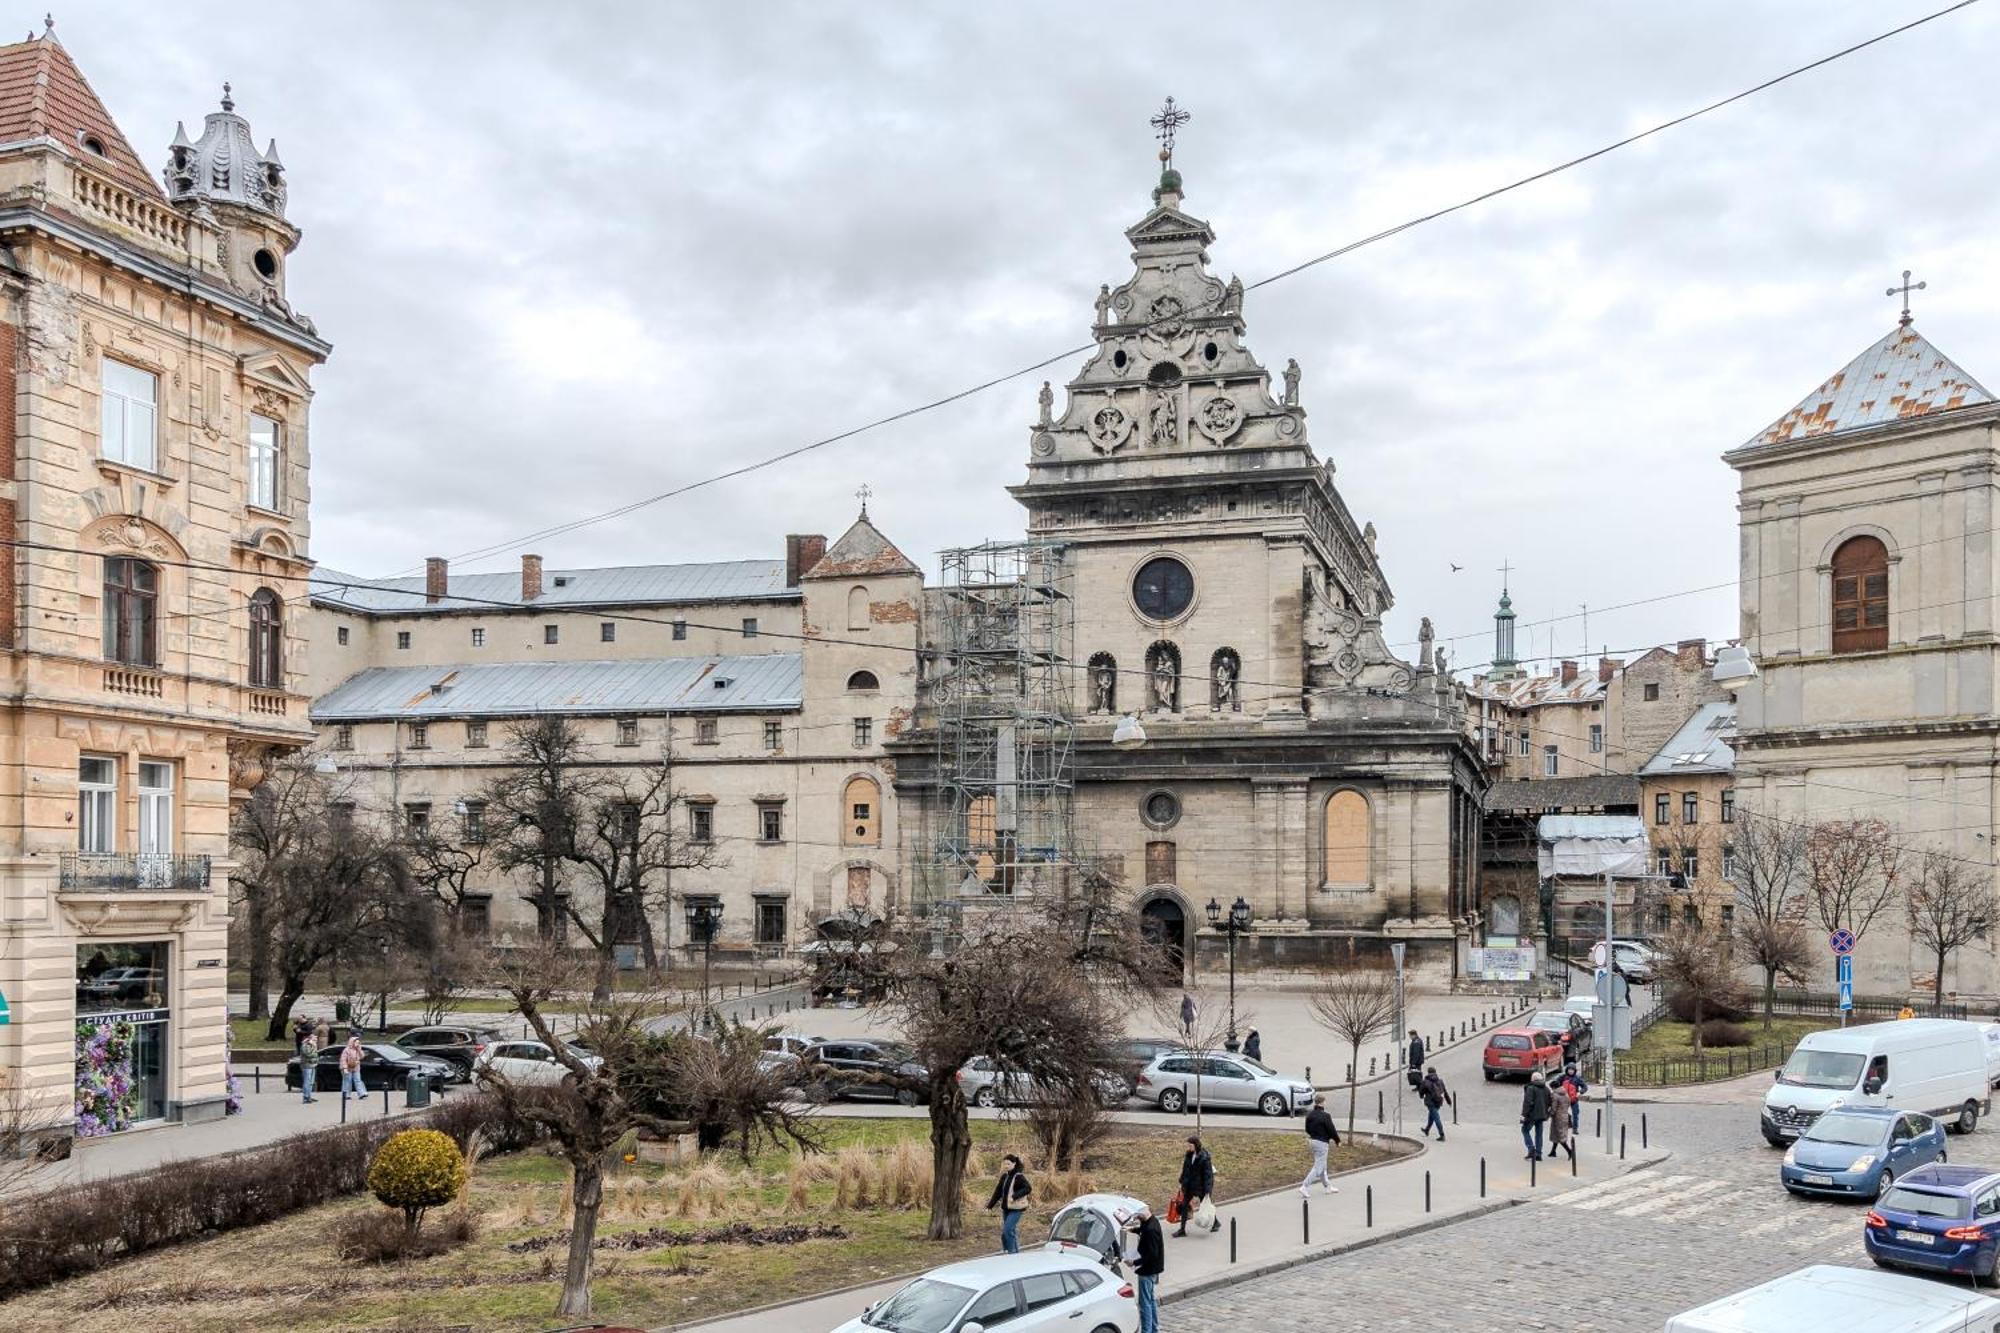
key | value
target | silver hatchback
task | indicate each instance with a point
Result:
(1216, 1080)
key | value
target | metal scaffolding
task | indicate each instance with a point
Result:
(1000, 821)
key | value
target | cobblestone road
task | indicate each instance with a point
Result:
(1620, 1257)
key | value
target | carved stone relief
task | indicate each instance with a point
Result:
(1219, 418)
(1110, 427)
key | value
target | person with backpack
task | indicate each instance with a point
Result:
(1197, 1182)
(309, 1063)
(1011, 1196)
(1572, 1087)
(1436, 1097)
(1320, 1135)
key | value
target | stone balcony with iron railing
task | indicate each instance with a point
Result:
(89, 872)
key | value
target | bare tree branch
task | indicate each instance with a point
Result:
(1768, 871)
(1950, 905)
(1357, 1005)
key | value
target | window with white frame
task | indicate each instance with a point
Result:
(1663, 864)
(1525, 748)
(1691, 863)
(1728, 862)
(265, 443)
(1550, 759)
(129, 414)
(96, 805)
(156, 808)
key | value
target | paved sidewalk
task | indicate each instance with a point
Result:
(1270, 1228)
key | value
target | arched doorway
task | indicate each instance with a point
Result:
(1165, 924)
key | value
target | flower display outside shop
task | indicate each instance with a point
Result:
(106, 1098)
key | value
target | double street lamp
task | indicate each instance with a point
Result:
(1233, 923)
(704, 915)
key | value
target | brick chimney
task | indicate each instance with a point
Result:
(1569, 673)
(436, 577)
(1692, 653)
(531, 577)
(1607, 667)
(803, 550)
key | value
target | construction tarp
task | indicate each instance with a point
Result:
(1592, 845)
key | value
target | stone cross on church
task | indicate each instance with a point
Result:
(1904, 291)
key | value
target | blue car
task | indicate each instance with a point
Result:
(1857, 1152)
(1944, 1219)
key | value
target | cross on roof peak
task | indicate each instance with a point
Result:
(1166, 123)
(862, 494)
(1904, 291)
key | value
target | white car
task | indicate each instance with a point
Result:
(1036, 1292)
(524, 1063)
(985, 1083)
(1216, 1079)
(1635, 960)
(1827, 1296)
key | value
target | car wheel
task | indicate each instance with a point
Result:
(1968, 1118)
(1991, 1277)
(1271, 1103)
(985, 1097)
(905, 1097)
(1173, 1101)
(1883, 1182)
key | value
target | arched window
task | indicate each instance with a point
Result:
(861, 813)
(131, 597)
(857, 607)
(267, 636)
(1860, 595)
(1347, 838)
(863, 680)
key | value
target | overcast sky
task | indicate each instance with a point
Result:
(573, 255)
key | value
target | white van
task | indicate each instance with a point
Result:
(1933, 1065)
(1991, 1031)
(1829, 1299)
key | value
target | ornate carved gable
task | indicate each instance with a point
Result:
(274, 372)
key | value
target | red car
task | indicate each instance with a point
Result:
(1522, 1051)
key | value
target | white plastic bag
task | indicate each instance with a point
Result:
(1204, 1216)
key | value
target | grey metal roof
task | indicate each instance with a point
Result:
(618, 585)
(1700, 746)
(764, 682)
(1900, 376)
(1590, 790)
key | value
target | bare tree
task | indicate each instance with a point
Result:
(1693, 960)
(1951, 904)
(1854, 873)
(327, 882)
(445, 856)
(1768, 870)
(1201, 1027)
(1357, 1004)
(720, 1088)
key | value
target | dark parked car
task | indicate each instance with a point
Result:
(382, 1066)
(863, 1070)
(1132, 1054)
(457, 1045)
(1571, 1029)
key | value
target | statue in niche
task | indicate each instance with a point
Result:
(1223, 684)
(1426, 640)
(1291, 382)
(1368, 537)
(1165, 679)
(1232, 296)
(1104, 304)
(1103, 685)
(1163, 423)
(1047, 398)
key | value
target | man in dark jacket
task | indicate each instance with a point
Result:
(1152, 1262)
(1010, 1196)
(1319, 1134)
(1535, 1107)
(1436, 1098)
(1253, 1045)
(1197, 1182)
(1415, 1073)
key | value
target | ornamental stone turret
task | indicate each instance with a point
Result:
(223, 179)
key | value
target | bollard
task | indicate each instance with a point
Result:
(1572, 1157)
(1427, 1191)
(257, 1077)
(1533, 1162)
(1642, 1130)
(1309, 1073)
(1621, 1143)
(343, 1099)
(1305, 1222)
(1454, 1110)
(1371, 1207)
(1232, 1240)
(1350, 1074)
(1371, 1066)
(1482, 1177)
(1379, 1117)
(1598, 1133)
(385, 1099)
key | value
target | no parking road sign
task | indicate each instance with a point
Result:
(1841, 942)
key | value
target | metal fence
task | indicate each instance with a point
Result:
(1728, 1062)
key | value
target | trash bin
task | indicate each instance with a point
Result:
(417, 1090)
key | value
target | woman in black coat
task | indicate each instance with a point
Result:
(1197, 1181)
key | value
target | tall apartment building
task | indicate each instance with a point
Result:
(154, 387)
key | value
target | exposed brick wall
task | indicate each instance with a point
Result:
(8, 346)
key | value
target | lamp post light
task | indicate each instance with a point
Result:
(1235, 922)
(703, 916)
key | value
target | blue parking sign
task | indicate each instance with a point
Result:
(1846, 995)
(1844, 970)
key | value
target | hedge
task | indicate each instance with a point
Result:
(46, 1238)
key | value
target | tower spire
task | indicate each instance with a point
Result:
(1504, 661)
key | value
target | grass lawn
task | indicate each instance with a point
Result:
(873, 1183)
(1669, 1039)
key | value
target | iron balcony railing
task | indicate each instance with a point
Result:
(84, 872)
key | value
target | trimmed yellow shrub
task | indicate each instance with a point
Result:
(415, 1170)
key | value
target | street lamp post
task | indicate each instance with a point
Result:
(703, 916)
(1236, 922)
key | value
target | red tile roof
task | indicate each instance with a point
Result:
(44, 94)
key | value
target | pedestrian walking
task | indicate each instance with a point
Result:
(1253, 1045)
(1562, 1133)
(309, 1064)
(1320, 1136)
(350, 1069)
(1535, 1106)
(1572, 1088)
(1415, 1072)
(1197, 1182)
(1011, 1196)
(1436, 1097)
(1187, 1013)
(1152, 1262)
